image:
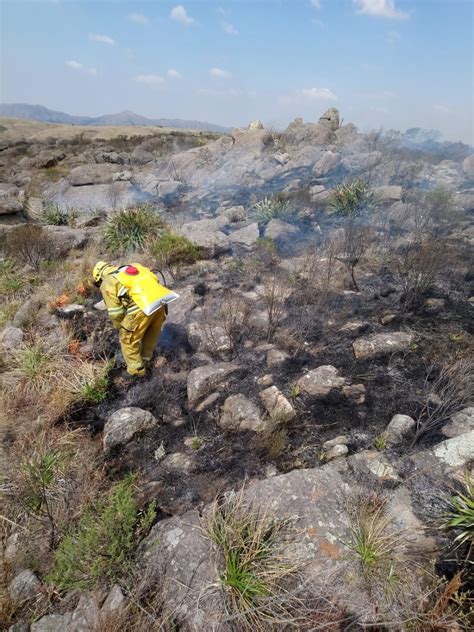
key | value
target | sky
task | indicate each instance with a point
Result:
(383, 63)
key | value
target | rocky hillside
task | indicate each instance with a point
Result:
(300, 455)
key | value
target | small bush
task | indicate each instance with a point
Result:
(173, 251)
(131, 229)
(53, 215)
(100, 549)
(30, 245)
(352, 199)
(273, 208)
(460, 515)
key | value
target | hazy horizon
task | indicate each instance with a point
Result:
(384, 63)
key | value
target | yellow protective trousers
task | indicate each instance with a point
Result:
(138, 336)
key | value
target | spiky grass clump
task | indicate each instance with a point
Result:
(272, 208)
(353, 199)
(252, 561)
(460, 515)
(54, 215)
(89, 383)
(131, 229)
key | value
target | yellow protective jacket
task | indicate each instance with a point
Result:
(126, 294)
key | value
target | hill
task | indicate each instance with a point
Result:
(41, 113)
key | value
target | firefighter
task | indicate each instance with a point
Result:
(137, 306)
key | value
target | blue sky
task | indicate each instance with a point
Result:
(383, 63)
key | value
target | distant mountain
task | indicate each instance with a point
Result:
(40, 113)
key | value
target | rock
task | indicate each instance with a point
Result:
(91, 174)
(336, 452)
(124, 424)
(178, 461)
(277, 229)
(355, 393)
(456, 452)
(257, 124)
(11, 338)
(321, 381)
(331, 118)
(66, 239)
(170, 190)
(460, 423)
(276, 357)
(24, 586)
(204, 379)
(10, 205)
(206, 235)
(239, 413)
(123, 176)
(71, 311)
(47, 159)
(141, 155)
(434, 305)
(468, 167)
(376, 463)
(381, 344)
(329, 162)
(52, 623)
(207, 402)
(19, 626)
(86, 617)
(340, 440)
(114, 601)
(354, 326)
(316, 190)
(265, 380)
(212, 338)
(388, 194)
(278, 407)
(387, 318)
(281, 159)
(399, 428)
(246, 236)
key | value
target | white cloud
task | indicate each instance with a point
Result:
(393, 37)
(308, 94)
(174, 74)
(149, 80)
(380, 9)
(229, 28)
(76, 65)
(441, 108)
(218, 73)
(316, 4)
(139, 18)
(102, 39)
(179, 14)
(228, 93)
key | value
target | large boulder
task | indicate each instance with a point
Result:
(245, 236)
(48, 158)
(204, 379)
(240, 413)
(331, 118)
(124, 424)
(460, 423)
(329, 162)
(11, 338)
(9, 202)
(321, 381)
(206, 234)
(381, 344)
(257, 124)
(91, 174)
(456, 452)
(279, 230)
(24, 586)
(170, 190)
(212, 338)
(400, 427)
(388, 194)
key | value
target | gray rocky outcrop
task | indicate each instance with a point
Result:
(206, 234)
(48, 158)
(460, 423)
(124, 424)
(204, 379)
(24, 586)
(206, 337)
(331, 118)
(170, 190)
(91, 174)
(257, 124)
(388, 194)
(11, 338)
(456, 452)
(381, 344)
(245, 236)
(468, 167)
(240, 413)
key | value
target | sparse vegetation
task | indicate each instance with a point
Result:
(252, 561)
(172, 251)
(460, 516)
(273, 208)
(99, 550)
(129, 230)
(54, 215)
(30, 244)
(352, 200)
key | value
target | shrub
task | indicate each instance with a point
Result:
(252, 561)
(31, 245)
(272, 208)
(53, 215)
(173, 251)
(100, 549)
(460, 515)
(129, 230)
(352, 199)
